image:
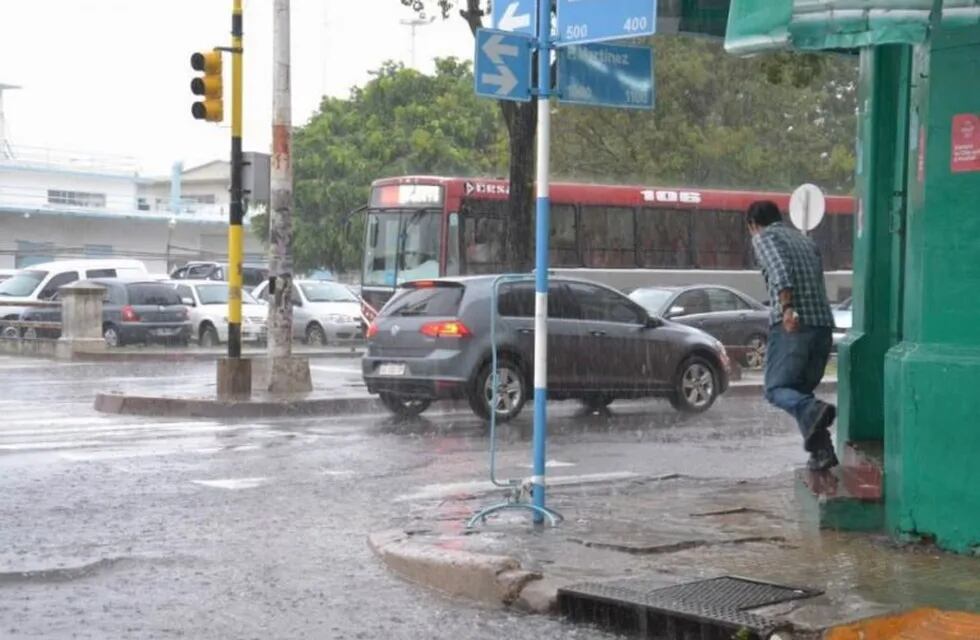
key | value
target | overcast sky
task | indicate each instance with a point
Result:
(113, 76)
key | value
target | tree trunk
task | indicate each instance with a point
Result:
(521, 121)
(519, 225)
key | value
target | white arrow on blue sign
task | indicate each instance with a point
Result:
(581, 21)
(606, 75)
(503, 65)
(519, 16)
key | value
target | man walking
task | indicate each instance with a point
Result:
(801, 326)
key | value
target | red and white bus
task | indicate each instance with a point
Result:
(624, 236)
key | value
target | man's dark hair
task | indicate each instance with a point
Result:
(763, 213)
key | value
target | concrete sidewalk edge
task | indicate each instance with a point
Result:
(491, 580)
(122, 404)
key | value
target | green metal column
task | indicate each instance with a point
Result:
(932, 379)
(881, 154)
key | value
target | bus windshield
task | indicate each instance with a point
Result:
(401, 246)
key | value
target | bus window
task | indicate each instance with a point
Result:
(564, 243)
(483, 236)
(401, 247)
(380, 252)
(452, 245)
(720, 240)
(834, 237)
(608, 237)
(664, 238)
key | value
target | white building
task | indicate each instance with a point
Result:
(55, 204)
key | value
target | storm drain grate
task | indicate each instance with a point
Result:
(706, 609)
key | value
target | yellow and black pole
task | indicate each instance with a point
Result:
(235, 240)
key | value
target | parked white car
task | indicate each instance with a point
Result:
(207, 306)
(323, 312)
(40, 282)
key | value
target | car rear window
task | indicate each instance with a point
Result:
(425, 301)
(152, 294)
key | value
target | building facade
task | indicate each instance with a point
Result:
(58, 205)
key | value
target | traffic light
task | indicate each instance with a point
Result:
(211, 107)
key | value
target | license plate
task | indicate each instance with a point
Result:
(164, 332)
(391, 369)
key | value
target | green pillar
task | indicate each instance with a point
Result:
(932, 379)
(882, 121)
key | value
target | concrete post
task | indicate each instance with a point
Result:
(284, 372)
(81, 320)
(932, 378)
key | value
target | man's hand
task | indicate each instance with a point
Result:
(791, 320)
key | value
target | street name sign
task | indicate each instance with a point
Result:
(503, 65)
(518, 16)
(582, 21)
(604, 75)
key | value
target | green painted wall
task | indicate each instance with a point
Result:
(883, 117)
(932, 379)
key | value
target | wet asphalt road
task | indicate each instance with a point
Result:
(122, 527)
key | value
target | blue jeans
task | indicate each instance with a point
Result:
(795, 364)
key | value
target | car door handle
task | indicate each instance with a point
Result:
(597, 333)
(525, 332)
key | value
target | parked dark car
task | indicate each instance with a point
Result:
(132, 311)
(432, 341)
(729, 315)
(252, 274)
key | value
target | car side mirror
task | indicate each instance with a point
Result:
(297, 303)
(675, 311)
(653, 322)
(187, 301)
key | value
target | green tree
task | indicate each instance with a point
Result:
(720, 121)
(401, 122)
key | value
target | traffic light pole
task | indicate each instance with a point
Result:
(235, 240)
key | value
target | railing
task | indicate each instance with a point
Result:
(69, 160)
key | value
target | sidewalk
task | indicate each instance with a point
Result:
(670, 530)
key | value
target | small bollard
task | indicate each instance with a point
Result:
(81, 320)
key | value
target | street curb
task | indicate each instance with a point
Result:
(117, 403)
(756, 389)
(488, 579)
(197, 356)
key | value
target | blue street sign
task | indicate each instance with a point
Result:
(519, 16)
(581, 21)
(503, 65)
(606, 75)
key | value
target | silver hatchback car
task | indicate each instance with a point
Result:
(432, 341)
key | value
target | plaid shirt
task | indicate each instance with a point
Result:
(790, 260)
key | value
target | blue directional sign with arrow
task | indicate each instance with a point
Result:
(519, 16)
(605, 75)
(503, 65)
(581, 21)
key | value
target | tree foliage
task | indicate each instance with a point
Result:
(401, 122)
(721, 121)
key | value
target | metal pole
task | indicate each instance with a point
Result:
(280, 321)
(235, 239)
(541, 259)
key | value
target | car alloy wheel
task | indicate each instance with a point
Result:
(316, 336)
(10, 332)
(30, 333)
(209, 337)
(755, 356)
(509, 392)
(111, 336)
(695, 387)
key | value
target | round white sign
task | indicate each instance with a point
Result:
(807, 206)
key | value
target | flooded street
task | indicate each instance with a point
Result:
(117, 526)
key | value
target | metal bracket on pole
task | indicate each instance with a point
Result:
(518, 491)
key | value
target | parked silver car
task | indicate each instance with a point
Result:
(432, 341)
(323, 312)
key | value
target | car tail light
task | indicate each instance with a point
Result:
(372, 330)
(129, 314)
(446, 329)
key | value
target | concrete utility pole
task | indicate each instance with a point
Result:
(286, 374)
